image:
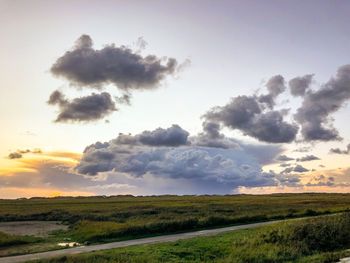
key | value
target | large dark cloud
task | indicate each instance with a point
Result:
(257, 117)
(270, 127)
(126, 69)
(339, 151)
(246, 114)
(121, 66)
(187, 159)
(170, 137)
(299, 85)
(83, 109)
(314, 115)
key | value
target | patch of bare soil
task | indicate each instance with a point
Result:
(34, 228)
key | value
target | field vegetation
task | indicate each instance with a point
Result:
(322, 239)
(103, 219)
(11, 240)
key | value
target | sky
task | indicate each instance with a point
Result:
(174, 97)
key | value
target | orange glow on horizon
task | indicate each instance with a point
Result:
(29, 163)
(17, 192)
(290, 189)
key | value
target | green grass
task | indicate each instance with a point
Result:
(11, 240)
(322, 239)
(100, 219)
(123, 208)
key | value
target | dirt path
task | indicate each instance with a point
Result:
(141, 241)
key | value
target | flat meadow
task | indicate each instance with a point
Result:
(100, 219)
(323, 239)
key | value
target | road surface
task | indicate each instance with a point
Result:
(141, 241)
(344, 260)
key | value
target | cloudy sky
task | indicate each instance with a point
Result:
(174, 97)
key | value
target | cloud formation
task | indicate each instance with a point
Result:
(321, 180)
(171, 154)
(275, 86)
(314, 115)
(307, 158)
(285, 164)
(19, 153)
(284, 158)
(211, 137)
(296, 169)
(121, 66)
(339, 151)
(257, 116)
(127, 70)
(53, 177)
(173, 136)
(299, 85)
(246, 114)
(83, 109)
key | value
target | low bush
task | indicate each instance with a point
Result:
(322, 234)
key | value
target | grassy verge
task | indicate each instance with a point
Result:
(321, 239)
(11, 240)
(106, 231)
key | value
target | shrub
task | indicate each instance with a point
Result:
(319, 234)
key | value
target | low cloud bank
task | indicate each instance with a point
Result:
(209, 158)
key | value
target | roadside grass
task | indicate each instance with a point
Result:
(11, 240)
(28, 248)
(322, 239)
(86, 231)
(11, 245)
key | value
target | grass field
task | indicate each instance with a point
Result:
(103, 219)
(12, 240)
(318, 240)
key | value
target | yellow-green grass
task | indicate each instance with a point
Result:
(168, 207)
(7, 240)
(100, 219)
(323, 239)
(104, 219)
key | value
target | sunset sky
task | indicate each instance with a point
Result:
(174, 97)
